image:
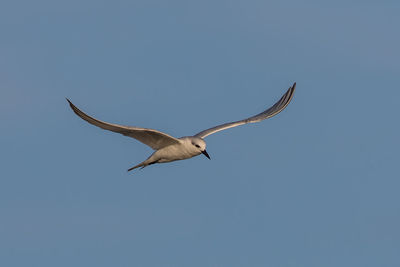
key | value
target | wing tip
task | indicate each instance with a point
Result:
(294, 85)
(70, 103)
(76, 110)
(290, 92)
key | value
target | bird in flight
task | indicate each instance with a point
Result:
(168, 148)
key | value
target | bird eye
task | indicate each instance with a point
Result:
(197, 146)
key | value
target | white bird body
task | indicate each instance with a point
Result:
(183, 150)
(168, 148)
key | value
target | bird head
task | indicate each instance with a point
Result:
(200, 145)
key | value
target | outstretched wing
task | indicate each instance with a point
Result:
(150, 137)
(272, 111)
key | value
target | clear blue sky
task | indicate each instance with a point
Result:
(317, 185)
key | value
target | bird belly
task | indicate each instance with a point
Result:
(174, 152)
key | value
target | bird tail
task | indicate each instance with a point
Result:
(139, 165)
(143, 164)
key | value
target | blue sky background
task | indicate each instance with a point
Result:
(317, 185)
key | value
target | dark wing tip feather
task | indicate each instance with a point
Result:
(293, 88)
(76, 110)
(277, 107)
(73, 107)
(88, 118)
(285, 100)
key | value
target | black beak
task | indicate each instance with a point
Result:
(205, 154)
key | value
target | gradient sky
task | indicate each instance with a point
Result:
(317, 185)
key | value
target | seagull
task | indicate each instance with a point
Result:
(168, 148)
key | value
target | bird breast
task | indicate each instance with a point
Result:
(177, 152)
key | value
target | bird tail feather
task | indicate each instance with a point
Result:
(142, 165)
(139, 165)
